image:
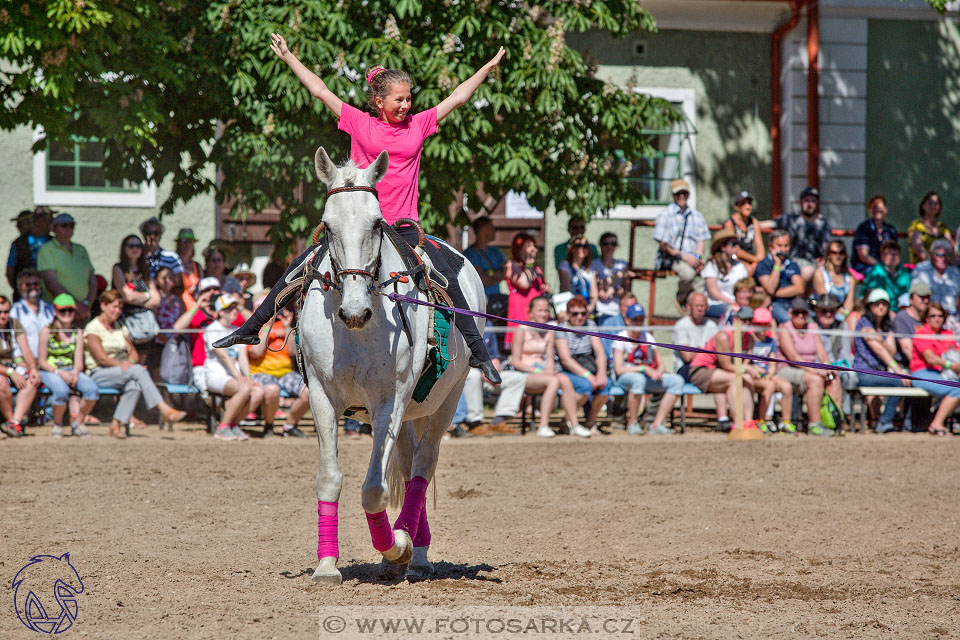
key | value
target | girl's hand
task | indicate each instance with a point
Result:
(278, 45)
(496, 59)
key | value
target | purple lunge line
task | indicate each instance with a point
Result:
(327, 542)
(397, 297)
(380, 531)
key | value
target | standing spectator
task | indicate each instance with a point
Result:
(640, 370)
(927, 362)
(525, 280)
(61, 367)
(800, 342)
(20, 372)
(215, 266)
(583, 360)
(271, 365)
(510, 392)
(489, 261)
(613, 278)
(19, 257)
(111, 358)
(131, 278)
(889, 275)
(927, 227)
(941, 276)
(809, 233)
(833, 277)
(779, 276)
(871, 236)
(750, 241)
(722, 272)
(575, 274)
(186, 241)
(23, 252)
(533, 354)
(682, 233)
(152, 230)
(575, 227)
(876, 351)
(65, 267)
(695, 330)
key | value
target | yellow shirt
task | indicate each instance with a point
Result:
(114, 342)
(73, 268)
(917, 225)
(276, 363)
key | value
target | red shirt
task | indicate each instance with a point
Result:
(920, 344)
(710, 359)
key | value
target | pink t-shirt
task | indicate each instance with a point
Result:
(403, 141)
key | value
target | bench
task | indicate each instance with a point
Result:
(858, 395)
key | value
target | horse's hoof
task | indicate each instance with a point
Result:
(420, 568)
(388, 571)
(327, 572)
(402, 550)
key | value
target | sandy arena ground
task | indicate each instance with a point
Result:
(180, 536)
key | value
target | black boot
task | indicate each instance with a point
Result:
(249, 332)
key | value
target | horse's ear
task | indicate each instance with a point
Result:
(378, 169)
(326, 170)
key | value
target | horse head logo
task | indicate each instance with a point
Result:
(45, 594)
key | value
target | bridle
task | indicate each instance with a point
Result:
(338, 273)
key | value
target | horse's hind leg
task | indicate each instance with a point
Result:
(327, 485)
(396, 546)
(398, 471)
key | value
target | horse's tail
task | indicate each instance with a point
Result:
(395, 474)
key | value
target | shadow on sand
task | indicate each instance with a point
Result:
(370, 573)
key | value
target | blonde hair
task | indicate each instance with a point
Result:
(379, 82)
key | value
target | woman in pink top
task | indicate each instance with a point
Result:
(392, 128)
(928, 362)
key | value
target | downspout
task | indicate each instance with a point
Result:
(813, 94)
(776, 106)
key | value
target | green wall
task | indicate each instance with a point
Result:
(913, 133)
(99, 229)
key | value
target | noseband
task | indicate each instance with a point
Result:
(339, 273)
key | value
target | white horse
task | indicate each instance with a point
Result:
(356, 353)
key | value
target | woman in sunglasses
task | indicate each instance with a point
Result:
(722, 272)
(930, 343)
(131, 278)
(833, 277)
(575, 274)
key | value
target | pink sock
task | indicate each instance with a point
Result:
(327, 542)
(413, 500)
(380, 531)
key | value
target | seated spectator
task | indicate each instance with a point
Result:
(65, 267)
(613, 278)
(839, 347)
(186, 240)
(927, 227)
(927, 362)
(533, 354)
(715, 373)
(23, 374)
(111, 358)
(131, 278)
(768, 383)
(809, 233)
(35, 232)
(246, 278)
(616, 324)
(152, 230)
(510, 392)
(525, 281)
(215, 266)
(575, 227)
(800, 342)
(721, 272)
(575, 274)
(747, 230)
(889, 275)
(743, 291)
(876, 351)
(175, 355)
(833, 278)
(583, 360)
(940, 275)
(910, 318)
(227, 372)
(489, 261)
(61, 367)
(871, 236)
(694, 330)
(682, 233)
(271, 365)
(639, 370)
(779, 276)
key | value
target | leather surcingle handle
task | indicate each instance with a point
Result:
(421, 236)
(321, 228)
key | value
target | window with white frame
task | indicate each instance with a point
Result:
(72, 175)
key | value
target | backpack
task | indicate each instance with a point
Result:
(831, 416)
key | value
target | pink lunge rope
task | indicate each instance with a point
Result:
(413, 500)
(380, 531)
(373, 74)
(328, 545)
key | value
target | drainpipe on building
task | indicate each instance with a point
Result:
(776, 105)
(813, 94)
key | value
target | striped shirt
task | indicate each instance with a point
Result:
(163, 258)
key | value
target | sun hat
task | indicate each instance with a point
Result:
(225, 301)
(762, 315)
(742, 197)
(23, 215)
(799, 304)
(207, 283)
(827, 301)
(719, 238)
(186, 233)
(679, 185)
(243, 269)
(64, 301)
(878, 295)
(920, 288)
(64, 218)
(745, 314)
(635, 310)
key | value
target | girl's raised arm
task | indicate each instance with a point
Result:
(317, 88)
(466, 89)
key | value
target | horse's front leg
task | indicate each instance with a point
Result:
(327, 485)
(396, 546)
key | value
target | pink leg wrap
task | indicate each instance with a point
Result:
(423, 530)
(327, 542)
(413, 501)
(380, 531)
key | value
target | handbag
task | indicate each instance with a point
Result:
(831, 416)
(175, 362)
(665, 260)
(588, 361)
(142, 326)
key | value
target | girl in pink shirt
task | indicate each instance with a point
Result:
(391, 127)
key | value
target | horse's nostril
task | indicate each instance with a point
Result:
(366, 317)
(342, 315)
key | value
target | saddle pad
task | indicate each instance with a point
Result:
(438, 357)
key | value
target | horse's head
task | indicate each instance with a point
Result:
(352, 220)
